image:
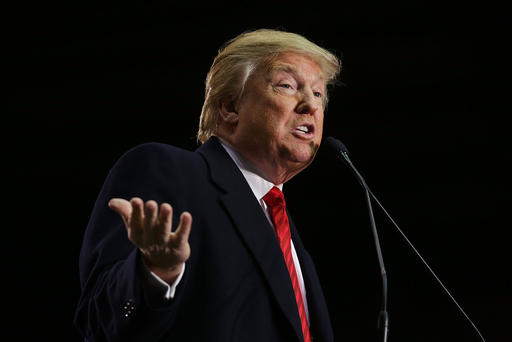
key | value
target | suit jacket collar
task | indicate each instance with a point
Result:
(250, 221)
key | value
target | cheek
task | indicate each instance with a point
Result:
(314, 148)
(275, 121)
(320, 129)
(320, 124)
(262, 127)
(269, 116)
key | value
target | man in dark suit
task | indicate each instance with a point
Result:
(223, 274)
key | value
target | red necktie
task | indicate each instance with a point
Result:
(277, 206)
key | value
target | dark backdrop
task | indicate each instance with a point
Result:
(418, 107)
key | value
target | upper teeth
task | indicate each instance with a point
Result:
(303, 129)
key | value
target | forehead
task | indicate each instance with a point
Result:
(296, 64)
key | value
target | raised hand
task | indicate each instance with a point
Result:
(150, 229)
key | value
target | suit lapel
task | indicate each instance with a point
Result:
(250, 221)
(320, 323)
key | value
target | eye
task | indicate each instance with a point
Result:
(317, 94)
(285, 85)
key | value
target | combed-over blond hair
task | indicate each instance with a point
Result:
(240, 56)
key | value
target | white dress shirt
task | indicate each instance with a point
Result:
(259, 186)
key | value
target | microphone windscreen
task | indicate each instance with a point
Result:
(335, 145)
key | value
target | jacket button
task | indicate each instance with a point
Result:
(128, 308)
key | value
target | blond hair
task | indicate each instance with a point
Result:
(240, 56)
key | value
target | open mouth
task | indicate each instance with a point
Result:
(305, 129)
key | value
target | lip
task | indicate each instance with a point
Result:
(298, 131)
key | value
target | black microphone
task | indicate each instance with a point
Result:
(342, 153)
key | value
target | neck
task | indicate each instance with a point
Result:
(272, 170)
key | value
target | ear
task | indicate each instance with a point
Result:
(228, 112)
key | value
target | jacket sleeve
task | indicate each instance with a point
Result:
(114, 304)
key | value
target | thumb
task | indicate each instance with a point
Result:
(122, 207)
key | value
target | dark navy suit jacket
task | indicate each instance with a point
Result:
(235, 287)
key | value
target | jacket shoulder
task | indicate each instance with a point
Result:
(157, 150)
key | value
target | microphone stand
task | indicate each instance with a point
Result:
(428, 267)
(340, 149)
(383, 321)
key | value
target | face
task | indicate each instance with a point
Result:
(280, 116)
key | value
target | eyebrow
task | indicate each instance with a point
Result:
(289, 68)
(284, 67)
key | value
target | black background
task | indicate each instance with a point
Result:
(418, 106)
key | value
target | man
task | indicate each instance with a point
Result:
(234, 268)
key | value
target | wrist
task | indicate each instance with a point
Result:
(167, 274)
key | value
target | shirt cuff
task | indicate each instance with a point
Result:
(170, 289)
(158, 289)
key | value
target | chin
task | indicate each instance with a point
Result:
(304, 156)
(300, 153)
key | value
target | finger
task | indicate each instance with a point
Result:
(123, 208)
(137, 219)
(150, 214)
(165, 218)
(183, 231)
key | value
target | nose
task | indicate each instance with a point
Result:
(308, 104)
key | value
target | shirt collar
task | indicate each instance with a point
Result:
(252, 174)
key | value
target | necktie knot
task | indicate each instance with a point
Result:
(274, 198)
